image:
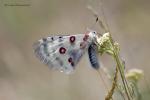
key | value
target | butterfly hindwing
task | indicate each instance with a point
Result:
(61, 52)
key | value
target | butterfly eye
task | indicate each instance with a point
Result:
(94, 32)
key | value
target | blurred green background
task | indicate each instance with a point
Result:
(24, 77)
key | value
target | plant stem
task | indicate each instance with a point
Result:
(120, 68)
(114, 84)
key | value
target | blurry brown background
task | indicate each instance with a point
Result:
(24, 77)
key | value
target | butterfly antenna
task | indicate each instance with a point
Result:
(95, 15)
(103, 24)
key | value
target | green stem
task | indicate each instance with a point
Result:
(122, 76)
(120, 68)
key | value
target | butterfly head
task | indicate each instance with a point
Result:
(93, 35)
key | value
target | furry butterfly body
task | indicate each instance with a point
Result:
(64, 52)
(92, 51)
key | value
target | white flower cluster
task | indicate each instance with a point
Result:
(103, 39)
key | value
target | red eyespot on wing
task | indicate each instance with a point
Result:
(82, 45)
(72, 63)
(72, 39)
(86, 37)
(62, 50)
(70, 60)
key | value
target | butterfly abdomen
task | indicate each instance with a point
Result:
(93, 57)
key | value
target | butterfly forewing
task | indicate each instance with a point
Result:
(62, 52)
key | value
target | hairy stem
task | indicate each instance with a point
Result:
(114, 84)
(121, 69)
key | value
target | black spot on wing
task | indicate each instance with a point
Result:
(52, 38)
(75, 56)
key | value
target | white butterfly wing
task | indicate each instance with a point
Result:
(61, 52)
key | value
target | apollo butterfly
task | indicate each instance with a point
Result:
(64, 52)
